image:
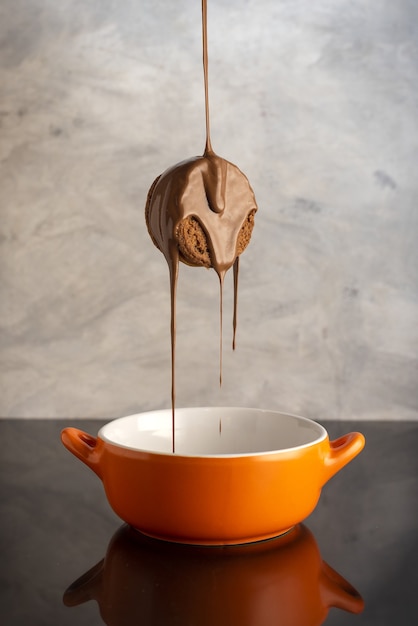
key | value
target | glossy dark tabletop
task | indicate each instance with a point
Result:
(56, 525)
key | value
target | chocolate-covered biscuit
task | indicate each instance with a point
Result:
(201, 211)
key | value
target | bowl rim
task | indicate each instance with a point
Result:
(322, 433)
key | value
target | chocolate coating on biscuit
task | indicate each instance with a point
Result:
(201, 212)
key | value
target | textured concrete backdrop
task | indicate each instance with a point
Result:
(316, 102)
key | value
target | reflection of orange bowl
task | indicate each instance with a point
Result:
(282, 581)
(238, 475)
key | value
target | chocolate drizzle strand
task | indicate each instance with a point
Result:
(201, 212)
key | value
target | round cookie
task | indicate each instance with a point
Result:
(201, 211)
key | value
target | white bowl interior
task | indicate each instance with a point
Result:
(213, 431)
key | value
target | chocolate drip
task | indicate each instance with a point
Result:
(173, 265)
(221, 299)
(201, 212)
(234, 319)
(208, 147)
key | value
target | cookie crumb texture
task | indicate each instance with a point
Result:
(245, 232)
(193, 244)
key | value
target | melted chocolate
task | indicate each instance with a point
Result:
(200, 212)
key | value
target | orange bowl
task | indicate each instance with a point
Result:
(238, 475)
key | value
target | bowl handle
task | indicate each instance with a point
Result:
(84, 447)
(85, 588)
(342, 451)
(337, 592)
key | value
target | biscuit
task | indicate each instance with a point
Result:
(245, 232)
(193, 243)
(201, 212)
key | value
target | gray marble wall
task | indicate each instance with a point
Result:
(315, 101)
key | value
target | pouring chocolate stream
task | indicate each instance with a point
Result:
(201, 212)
